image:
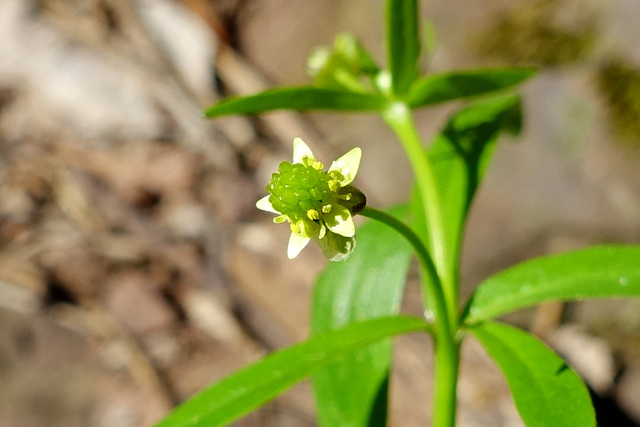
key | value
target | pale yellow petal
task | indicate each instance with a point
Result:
(301, 151)
(340, 221)
(296, 244)
(348, 165)
(265, 205)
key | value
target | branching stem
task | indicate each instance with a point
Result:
(447, 349)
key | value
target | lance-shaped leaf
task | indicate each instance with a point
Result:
(367, 285)
(597, 272)
(439, 88)
(245, 390)
(460, 155)
(545, 390)
(403, 43)
(301, 98)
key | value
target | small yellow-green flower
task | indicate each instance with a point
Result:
(317, 205)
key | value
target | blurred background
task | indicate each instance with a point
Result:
(135, 269)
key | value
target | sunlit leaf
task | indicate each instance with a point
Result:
(438, 88)
(597, 272)
(298, 98)
(246, 389)
(545, 390)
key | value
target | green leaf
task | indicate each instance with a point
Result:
(439, 88)
(298, 98)
(244, 390)
(367, 285)
(545, 390)
(403, 43)
(597, 272)
(460, 155)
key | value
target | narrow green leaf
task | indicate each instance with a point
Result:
(597, 272)
(367, 285)
(245, 390)
(298, 98)
(439, 88)
(545, 390)
(403, 43)
(460, 155)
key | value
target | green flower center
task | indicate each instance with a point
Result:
(302, 192)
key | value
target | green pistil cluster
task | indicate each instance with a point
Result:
(302, 191)
(317, 205)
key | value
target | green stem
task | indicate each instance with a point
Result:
(399, 117)
(439, 278)
(447, 349)
(447, 361)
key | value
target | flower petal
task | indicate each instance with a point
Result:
(296, 244)
(348, 165)
(265, 205)
(301, 151)
(339, 221)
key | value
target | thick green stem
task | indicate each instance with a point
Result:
(447, 361)
(399, 117)
(439, 281)
(447, 349)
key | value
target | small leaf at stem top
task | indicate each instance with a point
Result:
(403, 43)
